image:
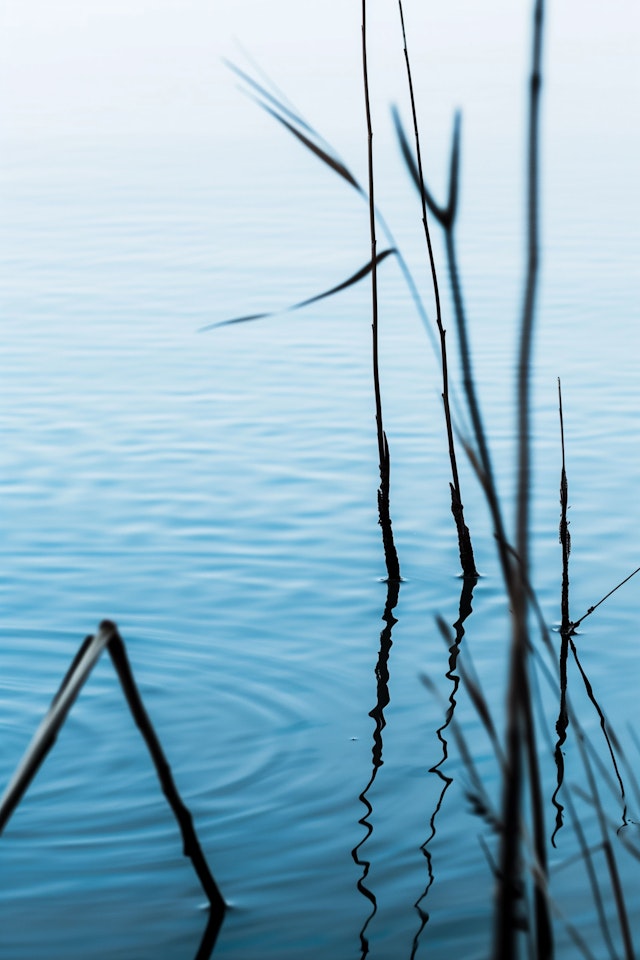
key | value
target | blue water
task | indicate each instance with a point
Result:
(215, 495)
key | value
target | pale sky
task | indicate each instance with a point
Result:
(155, 65)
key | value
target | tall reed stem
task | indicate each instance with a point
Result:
(520, 724)
(384, 516)
(467, 560)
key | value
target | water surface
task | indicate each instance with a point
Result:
(215, 495)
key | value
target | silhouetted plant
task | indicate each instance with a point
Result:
(523, 901)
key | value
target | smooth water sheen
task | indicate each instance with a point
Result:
(215, 495)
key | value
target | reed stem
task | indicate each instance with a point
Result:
(520, 728)
(467, 560)
(384, 516)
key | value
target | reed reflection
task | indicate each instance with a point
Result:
(562, 722)
(567, 643)
(465, 609)
(377, 715)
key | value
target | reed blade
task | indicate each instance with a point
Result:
(332, 162)
(434, 207)
(344, 285)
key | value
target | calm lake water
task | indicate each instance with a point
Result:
(215, 495)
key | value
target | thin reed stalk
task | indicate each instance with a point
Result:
(520, 725)
(384, 516)
(467, 560)
(576, 623)
(564, 535)
(45, 736)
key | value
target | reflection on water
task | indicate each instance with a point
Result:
(377, 714)
(464, 612)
